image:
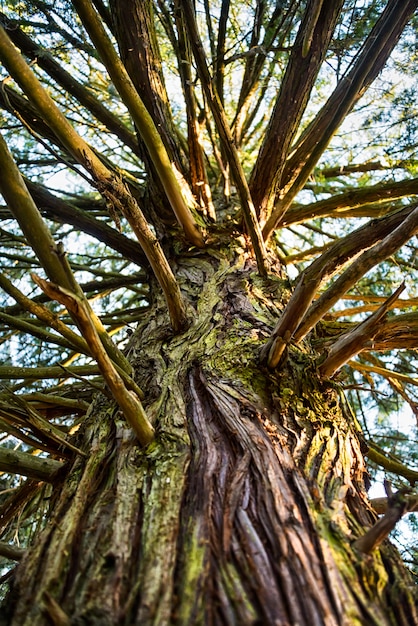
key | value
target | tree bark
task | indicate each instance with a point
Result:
(245, 507)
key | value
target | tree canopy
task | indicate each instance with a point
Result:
(133, 133)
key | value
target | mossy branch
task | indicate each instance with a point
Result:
(51, 255)
(357, 339)
(226, 137)
(16, 462)
(141, 117)
(11, 552)
(129, 403)
(378, 456)
(14, 189)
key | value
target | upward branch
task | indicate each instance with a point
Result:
(349, 90)
(308, 53)
(225, 136)
(113, 189)
(142, 119)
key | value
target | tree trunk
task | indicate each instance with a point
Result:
(244, 509)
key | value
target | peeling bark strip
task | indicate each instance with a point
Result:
(242, 485)
(244, 508)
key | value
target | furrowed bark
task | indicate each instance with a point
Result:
(244, 508)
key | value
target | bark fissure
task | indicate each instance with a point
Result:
(242, 510)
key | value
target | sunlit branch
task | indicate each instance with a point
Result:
(10, 372)
(380, 505)
(129, 403)
(342, 205)
(51, 256)
(226, 137)
(84, 96)
(142, 119)
(382, 371)
(114, 190)
(357, 339)
(373, 256)
(16, 411)
(349, 90)
(307, 56)
(15, 462)
(309, 282)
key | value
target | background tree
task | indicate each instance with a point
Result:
(207, 260)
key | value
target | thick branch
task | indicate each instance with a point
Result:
(47, 62)
(129, 403)
(15, 462)
(225, 135)
(310, 280)
(111, 188)
(370, 60)
(135, 31)
(142, 119)
(357, 269)
(357, 339)
(307, 56)
(341, 204)
(11, 552)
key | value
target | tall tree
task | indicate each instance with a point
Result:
(206, 239)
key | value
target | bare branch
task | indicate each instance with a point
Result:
(349, 90)
(357, 339)
(128, 402)
(384, 526)
(304, 64)
(142, 119)
(357, 269)
(342, 205)
(226, 137)
(15, 462)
